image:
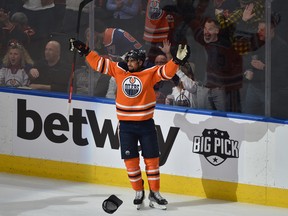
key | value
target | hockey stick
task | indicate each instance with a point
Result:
(81, 6)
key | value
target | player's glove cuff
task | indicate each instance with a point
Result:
(81, 47)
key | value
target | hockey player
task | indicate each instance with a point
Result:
(135, 104)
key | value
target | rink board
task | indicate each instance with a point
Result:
(231, 157)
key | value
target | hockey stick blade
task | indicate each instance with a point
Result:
(83, 3)
(81, 6)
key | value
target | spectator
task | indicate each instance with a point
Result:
(84, 81)
(40, 14)
(125, 14)
(224, 68)
(15, 28)
(182, 12)
(71, 14)
(226, 6)
(255, 74)
(16, 66)
(164, 87)
(174, 88)
(24, 33)
(54, 73)
(112, 89)
(235, 18)
(160, 59)
(70, 17)
(241, 24)
(180, 96)
(20, 21)
(185, 90)
(124, 9)
(158, 25)
(101, 12)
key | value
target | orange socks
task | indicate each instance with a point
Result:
(152, 172)
(134, 173)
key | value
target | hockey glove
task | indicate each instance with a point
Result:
(182, 54)
(81, 47)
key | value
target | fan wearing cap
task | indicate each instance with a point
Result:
(135, 104)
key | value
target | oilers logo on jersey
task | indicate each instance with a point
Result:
(13, 83)
(155, 12)
(132, 86)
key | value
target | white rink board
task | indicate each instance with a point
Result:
(259, 148)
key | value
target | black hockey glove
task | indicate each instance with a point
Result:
(81, 47)
(183, 53)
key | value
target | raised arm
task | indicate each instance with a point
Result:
(96, 62)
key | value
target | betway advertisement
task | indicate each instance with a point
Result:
(192, 144)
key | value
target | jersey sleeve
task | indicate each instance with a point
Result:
(168, 70)
(101, 64)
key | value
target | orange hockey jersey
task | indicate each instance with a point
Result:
(135, 99)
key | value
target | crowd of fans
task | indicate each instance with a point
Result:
(226, 70)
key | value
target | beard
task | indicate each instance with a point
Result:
(207, 37)
(132, 70)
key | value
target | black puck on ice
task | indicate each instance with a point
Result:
(111, 204)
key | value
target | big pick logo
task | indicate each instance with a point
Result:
(216, 146)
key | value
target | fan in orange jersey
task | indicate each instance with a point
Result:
(135, 104)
